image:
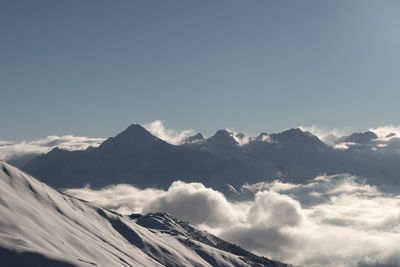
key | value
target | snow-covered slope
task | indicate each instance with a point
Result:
(40, 226)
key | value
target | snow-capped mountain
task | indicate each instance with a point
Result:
(136, 157)
(44, 227)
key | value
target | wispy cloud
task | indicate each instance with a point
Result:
(328, 136)
(240, 138)
(386, 133)
(124, 198)
(14, 151)
(171, 136)
(388, 138)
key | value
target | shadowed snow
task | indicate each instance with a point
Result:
(40, 226)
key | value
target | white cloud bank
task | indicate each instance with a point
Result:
(10, 150)
(331, 221)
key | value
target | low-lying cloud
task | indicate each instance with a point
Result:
(123, 198)
(19, 153)
(193, 202)
(331, 221)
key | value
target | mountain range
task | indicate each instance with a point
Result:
(137, 157)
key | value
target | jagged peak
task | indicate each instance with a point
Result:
(295, 132)
(56, 150)
(360, 137)
(222, 137)
(298, 136)
(136, 128)
(262, 137)
(133, 135)
(194, 139)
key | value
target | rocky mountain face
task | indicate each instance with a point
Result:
(139, 158)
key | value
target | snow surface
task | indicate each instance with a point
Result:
(40, 226)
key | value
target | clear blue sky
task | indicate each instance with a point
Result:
(94, 67)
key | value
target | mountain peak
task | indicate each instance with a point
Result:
(360, 137)
(293, 131)
(222, 138)
(133, 128)
(194, 139)
(290, 134)
(134, 135)
(297, 136)
(262, 137)
(222, 133)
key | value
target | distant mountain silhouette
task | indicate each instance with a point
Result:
(223, 139)
(136, 157)
(360, 137)
(195, 138)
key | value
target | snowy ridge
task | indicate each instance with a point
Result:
(168, 224)
(40, 226)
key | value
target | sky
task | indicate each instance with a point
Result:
(92, 68)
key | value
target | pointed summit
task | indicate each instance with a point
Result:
(135, 130)
(222, 138)
(134, 135)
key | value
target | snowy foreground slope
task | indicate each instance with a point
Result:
(40, 226)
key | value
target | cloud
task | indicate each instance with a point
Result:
(386, 133)
(195, 203)
(390, 258)
(388, 139)
(158, 129)
(343, 145)
(240, 138)
(274, 210)
(123, 198)
(23, 151)
(328, 136)
(344, 222)
(335, 220)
